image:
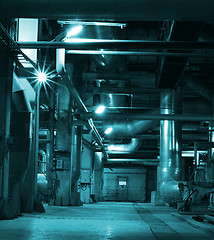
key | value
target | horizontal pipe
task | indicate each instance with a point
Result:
(129, 165)
(135, 10)
(131, 160)
(131, 116)
(137, 53)
(124, 148)
(93, 44)
(209, 218)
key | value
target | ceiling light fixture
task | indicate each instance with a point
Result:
(104, 24)
(108, 130)
(74, 31)
(100, 109)
(42, 77)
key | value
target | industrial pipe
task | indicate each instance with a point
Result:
(169, 171)
(124, 148)
(141, 116)
(111, 44)
(76, 148)
(135, 10)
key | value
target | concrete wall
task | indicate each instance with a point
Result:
(151, 182)
(97, 180)
(124, 184)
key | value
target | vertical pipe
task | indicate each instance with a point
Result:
(76, 151)
(210, 166)
(50, 145)
(170, 146)
(36, 135)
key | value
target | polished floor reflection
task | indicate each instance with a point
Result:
(108, 220)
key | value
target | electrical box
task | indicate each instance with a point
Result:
(59, 164)
(85, 176)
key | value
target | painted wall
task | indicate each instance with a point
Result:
(124, 184)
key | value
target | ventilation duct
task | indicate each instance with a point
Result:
(20, 150)
(124, 148)
(169, 172)
(135, 10)
(130, 128)
(20, 99)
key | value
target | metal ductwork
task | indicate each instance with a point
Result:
(20, 101)
(131, 128)
(124, 148)
(136, 10)
(169, 172)
(20, 154)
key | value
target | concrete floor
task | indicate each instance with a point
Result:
(108, 220)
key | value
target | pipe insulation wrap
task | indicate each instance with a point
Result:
(124, 148)
(152, 10)
(169, 172)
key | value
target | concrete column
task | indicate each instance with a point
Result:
(169, 171)
(6, 70)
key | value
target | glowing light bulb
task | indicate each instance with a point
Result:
(42, 77)
(108, 130)
(74, 31)
(100, 109)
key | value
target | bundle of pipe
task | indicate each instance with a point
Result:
(135, 10)
(60, 68)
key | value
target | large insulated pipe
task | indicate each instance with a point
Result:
(210, 165)
(135, 10)
(169, 172)
(76, 148)
(124, 148)
(131, 128)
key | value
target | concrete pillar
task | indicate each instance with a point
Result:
(6, 70)
(169, 171)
